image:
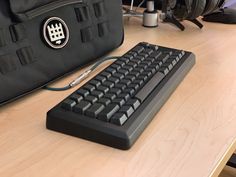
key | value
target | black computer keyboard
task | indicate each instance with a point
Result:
(115, 106)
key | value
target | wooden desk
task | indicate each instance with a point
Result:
(193, 135)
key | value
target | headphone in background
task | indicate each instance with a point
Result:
(191, 9)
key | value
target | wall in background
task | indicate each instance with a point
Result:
(230, 3)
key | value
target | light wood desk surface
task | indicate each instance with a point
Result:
(193, 135)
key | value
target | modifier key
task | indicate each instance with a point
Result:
(68, 104)
(134, 103)
(82, 107)
(108, 112)
(94, 110)
(128, 110)
(119, 119)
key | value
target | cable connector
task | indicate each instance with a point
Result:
(79, 79)
(83, 76)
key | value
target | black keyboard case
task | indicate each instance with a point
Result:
(27, 62)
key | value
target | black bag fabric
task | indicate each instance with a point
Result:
(222, 15)
(28, 62)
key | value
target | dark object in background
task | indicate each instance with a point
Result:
(224, 15)
(158, 4)
(232, 161)
(136, 2)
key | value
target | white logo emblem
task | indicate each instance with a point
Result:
(56, 33)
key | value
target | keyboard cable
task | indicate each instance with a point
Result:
(82, 76)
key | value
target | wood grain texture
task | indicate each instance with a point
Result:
(194, 133)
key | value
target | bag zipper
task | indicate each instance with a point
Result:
(49, 7)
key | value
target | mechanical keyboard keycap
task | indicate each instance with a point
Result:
(94, 110)
(82, 107)
(119, 119)
(68, 104)
(77, 98)
(115, 106)
(108, 112)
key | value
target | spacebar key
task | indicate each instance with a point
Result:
(148, 88)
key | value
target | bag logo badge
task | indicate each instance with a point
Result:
(56, 33)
